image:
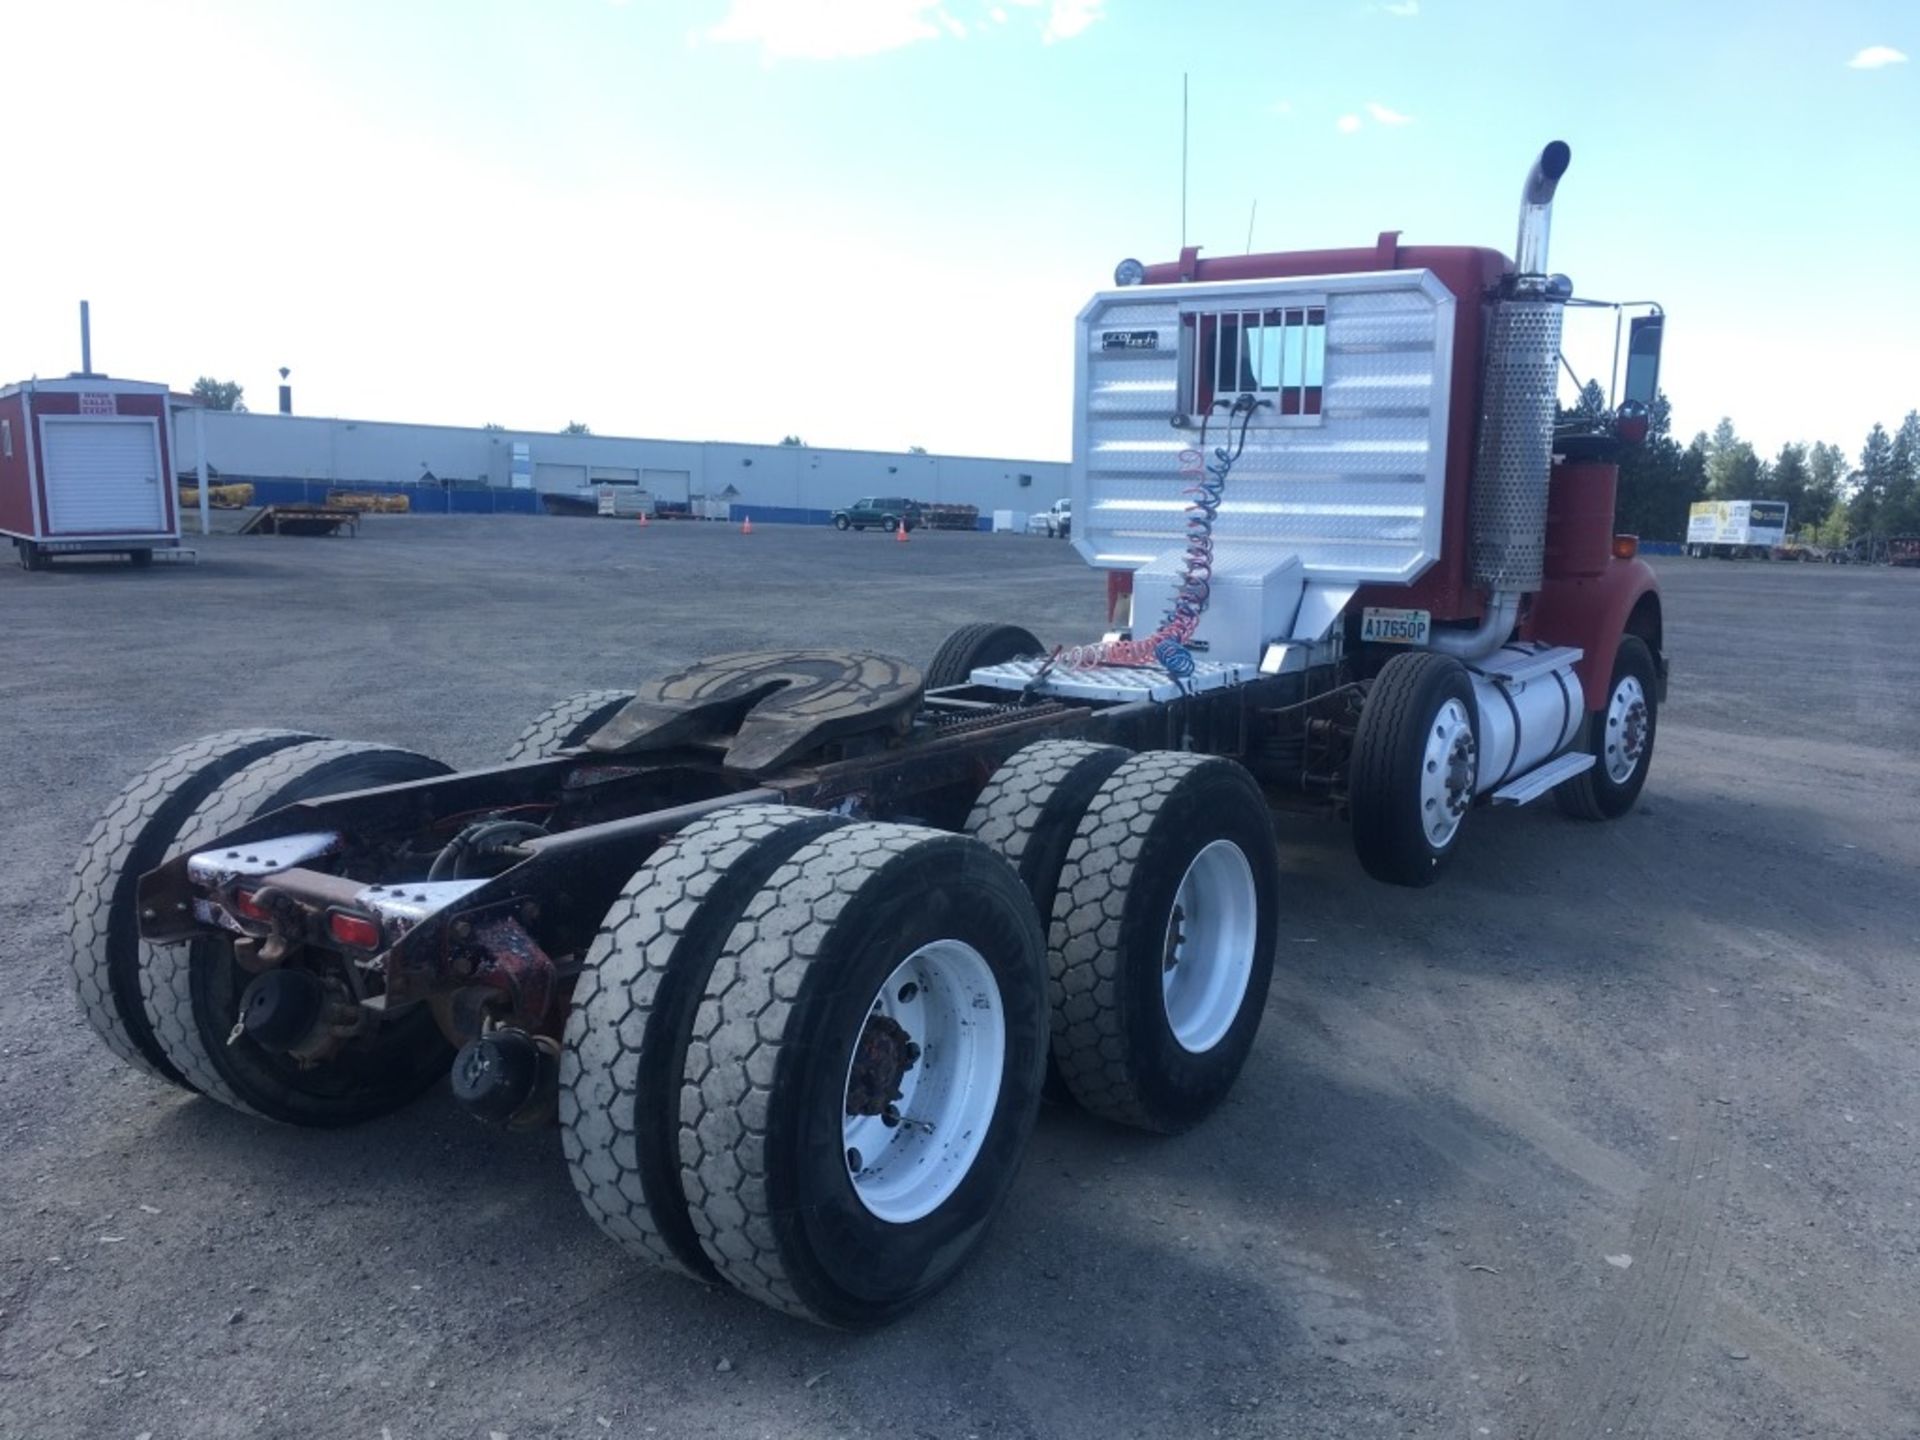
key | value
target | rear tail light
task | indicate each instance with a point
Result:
(356, 931)
(247, 904)
(1625, 547)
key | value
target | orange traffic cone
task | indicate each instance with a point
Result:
(901, 534)
(746, 524)
(644, 522)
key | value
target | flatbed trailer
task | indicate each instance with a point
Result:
(328, 519)
(788, 942)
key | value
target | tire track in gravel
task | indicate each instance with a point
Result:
(1620, 1385)
(1644, 1330)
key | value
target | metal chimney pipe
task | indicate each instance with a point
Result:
(86, 340)
(1536, 208)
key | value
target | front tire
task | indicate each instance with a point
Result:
(840, 522)
(1410, 783)
(881, 964)
(1162, 939)
(1620, 738)
(193, 992)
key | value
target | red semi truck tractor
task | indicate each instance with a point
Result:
(786, 942)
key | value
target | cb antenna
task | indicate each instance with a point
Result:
(1183, 159)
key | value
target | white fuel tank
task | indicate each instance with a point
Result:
(1531, 708)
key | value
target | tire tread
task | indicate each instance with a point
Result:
(738, 1036)
(566, 723)
(1090, 1043)
(166, 971)
(600, 1064)
(103, 955)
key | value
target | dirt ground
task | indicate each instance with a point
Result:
(1612, 1133)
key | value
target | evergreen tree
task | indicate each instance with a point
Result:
(1734, 471)
(1866, 512)
(1787, 480)
(1659, 481)
(1903, 478)
(1826, 483)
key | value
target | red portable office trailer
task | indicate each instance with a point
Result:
(86, 466)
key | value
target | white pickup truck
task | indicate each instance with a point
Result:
(1055, 522)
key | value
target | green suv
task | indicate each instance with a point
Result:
(888, 512)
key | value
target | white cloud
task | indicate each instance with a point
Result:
(1282, 107)
(827, 29)
(849, 29)
(1405, 8)
(1069, 18)
(1348, 124)
(1385, 116)
(1875, 57)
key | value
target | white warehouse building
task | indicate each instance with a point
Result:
(290, 458)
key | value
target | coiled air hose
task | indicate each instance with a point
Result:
(1167, 645)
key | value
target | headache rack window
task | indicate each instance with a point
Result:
(1276, 355)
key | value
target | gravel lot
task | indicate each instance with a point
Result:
(1612, 1133)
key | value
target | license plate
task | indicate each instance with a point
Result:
(1395, 627)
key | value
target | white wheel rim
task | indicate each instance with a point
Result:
(945, 999)
(1625, 744)
(1446, 774)
(1209, 946)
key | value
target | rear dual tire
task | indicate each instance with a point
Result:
(722, 1010)
(1161, 944)
(169, 1010)
(773, 1187)
(137, 833)
(979, 644)
(632, 1015)
(567, 723)
(192, 993)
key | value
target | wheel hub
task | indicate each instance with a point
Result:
(923, 1081)
(1207, 956)
(1448, 769)
(880, 1062)
(1628, 724)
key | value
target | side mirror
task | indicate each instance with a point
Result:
(1643, 359)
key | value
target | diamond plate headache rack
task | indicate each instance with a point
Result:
(1115, 682)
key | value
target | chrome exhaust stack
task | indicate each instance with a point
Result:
(1536, 213)
(1518, 408)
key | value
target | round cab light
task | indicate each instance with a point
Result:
(1129, 272)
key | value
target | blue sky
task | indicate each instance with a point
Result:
(871, 222)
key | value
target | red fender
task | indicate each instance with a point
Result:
(1593, 612)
